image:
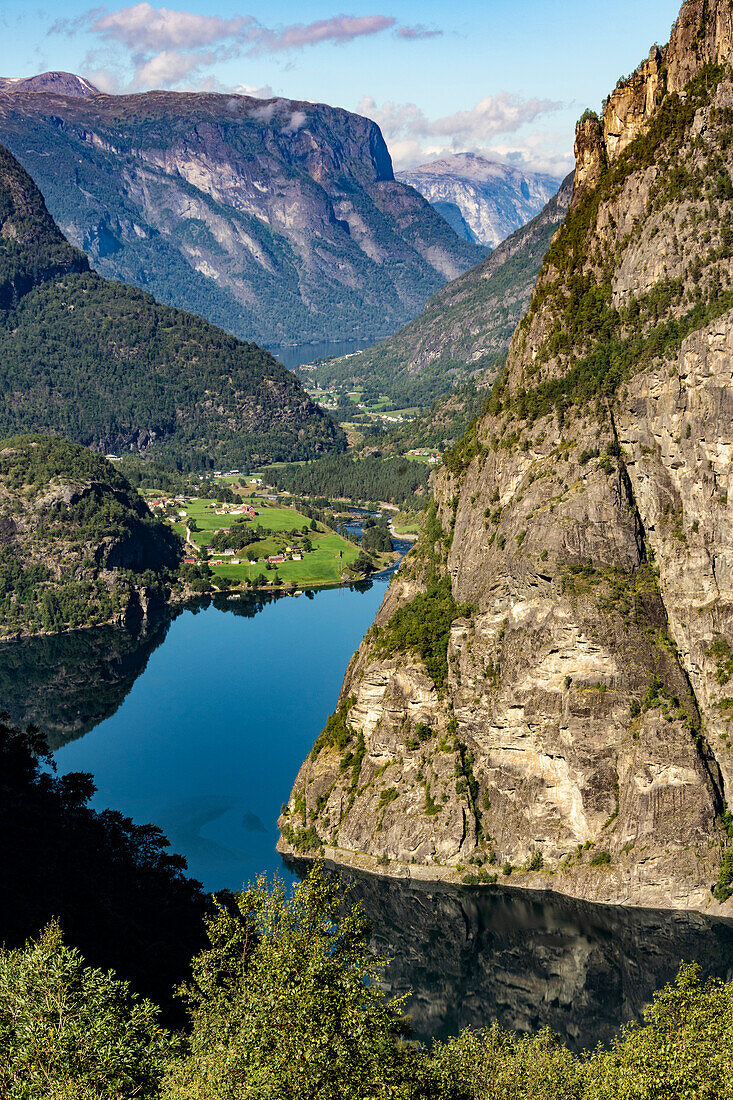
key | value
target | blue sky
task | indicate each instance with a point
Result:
(508, 77)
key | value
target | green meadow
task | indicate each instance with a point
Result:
(324, 564)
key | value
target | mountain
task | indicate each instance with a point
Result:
(108, 366)
(545, 696)
(279, 220)
(60, 83)
(484, 200)
(78, 545)
(464, 328)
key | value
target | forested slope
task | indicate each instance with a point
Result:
(108, 366)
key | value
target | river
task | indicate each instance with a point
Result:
(200, 725)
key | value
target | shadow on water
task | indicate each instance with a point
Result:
(473, 955)
(66, 684)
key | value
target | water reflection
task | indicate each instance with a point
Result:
(471, 956)
(68, 683)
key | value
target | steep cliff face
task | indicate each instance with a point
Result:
(546, 688)
(279, 220)
(492, 200)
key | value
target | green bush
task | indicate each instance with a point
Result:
(69, 1032)
(286, 1002)
(423, 627)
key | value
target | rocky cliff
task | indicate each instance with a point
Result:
(464, 329)
(279, 220)
(484, 200)
(78, 545)
(545, 695)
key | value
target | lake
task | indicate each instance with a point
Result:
(297, 354)
(200, 724)
(209, 738)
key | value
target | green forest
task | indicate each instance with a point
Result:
(77, 542)
(107, 366)
(371, 479)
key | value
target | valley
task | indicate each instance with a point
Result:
(365, 702)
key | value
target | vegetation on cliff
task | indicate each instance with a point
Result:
(595, 341)
(78, 545)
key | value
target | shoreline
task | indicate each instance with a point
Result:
(586, 885)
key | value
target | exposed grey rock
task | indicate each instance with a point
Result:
(279, 220)
(581, 728)
(493, 199)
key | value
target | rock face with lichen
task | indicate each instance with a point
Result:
(546, 691)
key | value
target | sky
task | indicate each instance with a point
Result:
(505, 78)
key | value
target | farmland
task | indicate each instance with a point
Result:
(312, 553)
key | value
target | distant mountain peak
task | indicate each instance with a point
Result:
(490, 198)
(68, 84)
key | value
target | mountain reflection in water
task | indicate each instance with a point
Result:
(66, 684)
(474, 955)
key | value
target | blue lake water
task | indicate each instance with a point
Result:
(209, 739)
(298, 354)
(200, 724)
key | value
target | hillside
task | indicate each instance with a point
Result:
(464, 329)
(108, 366)
(78, 546)
(545, 697)
(484, 200)
(279, 220)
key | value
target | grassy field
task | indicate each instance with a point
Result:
(324, 564)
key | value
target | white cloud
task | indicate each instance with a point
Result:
(166, 48)
(416, 32)
(339, 28)
(494, 114)
(168, 68)
(414, 138)
(143, 27)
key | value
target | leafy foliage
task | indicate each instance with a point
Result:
(71, 1032)
(120, 897)
(286, 1003)
(32, 249)
(423, 627)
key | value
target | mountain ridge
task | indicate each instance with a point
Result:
(465, 327)
(109, 367)
(493, 199)
(543, 697)
(279, 220)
